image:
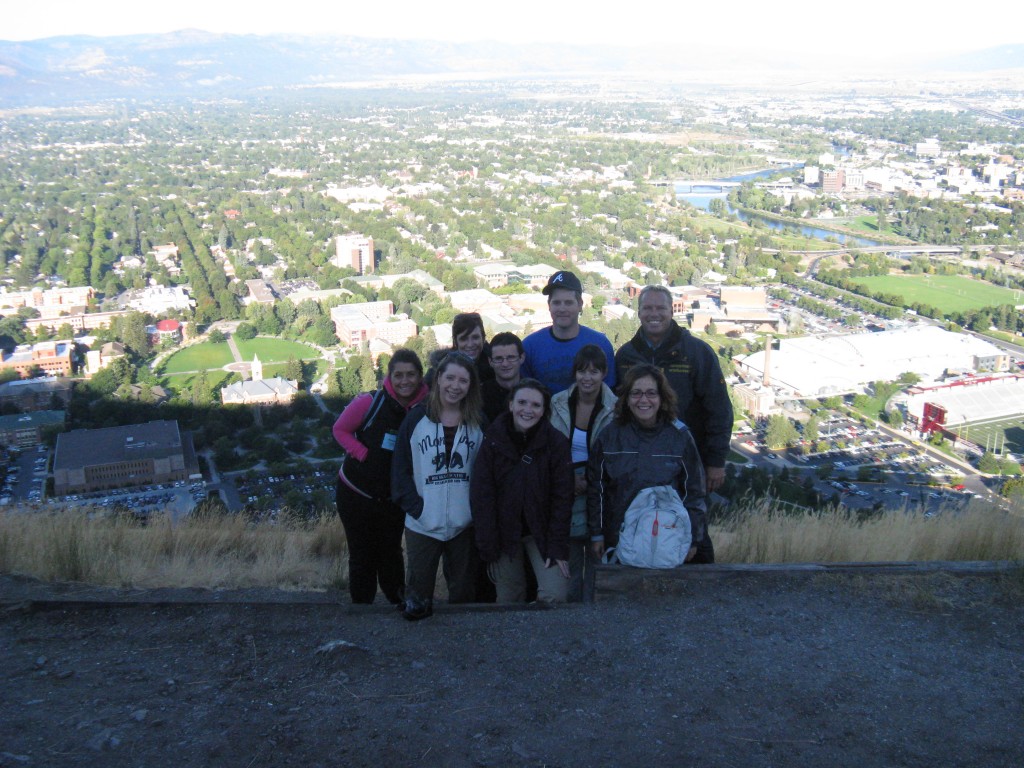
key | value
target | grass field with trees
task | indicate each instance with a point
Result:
(274, 350)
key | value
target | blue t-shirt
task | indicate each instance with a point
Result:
(549, 360)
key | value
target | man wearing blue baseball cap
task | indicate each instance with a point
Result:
(550, 351)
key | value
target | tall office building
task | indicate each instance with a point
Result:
(354, 251)
(833, 181)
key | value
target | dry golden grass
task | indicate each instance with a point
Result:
(292, 553)
(762, 534)
(212, 551)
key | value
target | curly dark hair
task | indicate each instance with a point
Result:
(666, 397)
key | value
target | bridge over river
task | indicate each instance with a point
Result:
(697, 186)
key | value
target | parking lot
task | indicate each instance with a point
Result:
(179, 498)
(26, 476)
(865, 468)
(269, 493)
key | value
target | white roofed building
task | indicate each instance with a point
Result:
(819, 366)
(969, 400)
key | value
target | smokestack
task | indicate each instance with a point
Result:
(766, 379)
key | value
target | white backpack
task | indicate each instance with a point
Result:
(655, 532)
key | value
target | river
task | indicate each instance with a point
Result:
(700, 196)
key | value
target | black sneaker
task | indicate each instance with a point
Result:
(416, 609)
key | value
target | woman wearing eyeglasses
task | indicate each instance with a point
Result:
(644, 447)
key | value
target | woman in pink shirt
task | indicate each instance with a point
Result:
(367, 429)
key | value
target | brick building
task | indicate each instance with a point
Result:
(113, 457)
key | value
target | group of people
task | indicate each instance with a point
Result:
(516, 463)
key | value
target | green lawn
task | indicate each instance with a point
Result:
(198, 357)
(950, 293)
(180, 382)
(274, 350)
(867, 224)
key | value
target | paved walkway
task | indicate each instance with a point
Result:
(234, 348)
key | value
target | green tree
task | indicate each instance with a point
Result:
(224, 453)
(321, 332)
(286, 312)
(133, 333)
(429, 342)
(274, 450)
(780, 432)
(245, 331)
(12, 331)
(108, 380)
(1013, 489)
(989, 463)
(201, 389)
(293, 369)
(811, 429)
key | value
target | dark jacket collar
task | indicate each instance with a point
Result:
(675, 333)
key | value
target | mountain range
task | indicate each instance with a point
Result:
(196, 64)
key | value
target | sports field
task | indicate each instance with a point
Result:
(994, 434)
(274, 350)
(950, 293)
(198, 357)
(211, 357)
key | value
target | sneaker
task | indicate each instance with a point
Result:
(416, 609)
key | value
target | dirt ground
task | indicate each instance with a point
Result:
(765, 670)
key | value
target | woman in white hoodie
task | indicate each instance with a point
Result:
(434, 454)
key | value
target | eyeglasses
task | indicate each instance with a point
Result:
(505, 359)
(650, 394)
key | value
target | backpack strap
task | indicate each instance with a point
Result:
(371, 413)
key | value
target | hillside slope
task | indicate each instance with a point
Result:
(765, 671)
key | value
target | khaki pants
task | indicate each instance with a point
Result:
(509, 576)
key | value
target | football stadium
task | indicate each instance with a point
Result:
(987, 411)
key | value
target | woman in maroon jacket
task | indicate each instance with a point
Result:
(521, 493)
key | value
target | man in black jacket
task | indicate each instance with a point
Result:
(693, 371)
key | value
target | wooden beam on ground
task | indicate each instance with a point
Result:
(623, 578)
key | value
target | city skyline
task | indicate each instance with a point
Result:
(874, 32)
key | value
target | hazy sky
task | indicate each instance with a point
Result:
(880, 28)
